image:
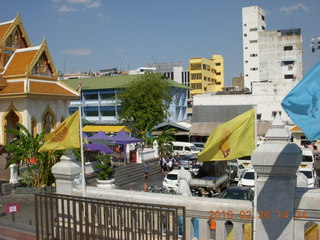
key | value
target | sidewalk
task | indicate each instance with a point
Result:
(23, 224)
(7, 233)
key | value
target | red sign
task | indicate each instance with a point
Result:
(12, 208)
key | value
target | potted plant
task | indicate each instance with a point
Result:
(106, 171)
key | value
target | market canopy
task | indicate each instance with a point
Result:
(104, 128)
(99, 135)
(123, 138)
(98, 147)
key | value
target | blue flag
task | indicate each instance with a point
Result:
(302, 104)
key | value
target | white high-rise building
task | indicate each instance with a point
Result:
(269, 56)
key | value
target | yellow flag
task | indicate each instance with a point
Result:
(231, 140)
(65, 136)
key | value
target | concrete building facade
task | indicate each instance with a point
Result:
(100, 104)
(269, 56)
(206, 75)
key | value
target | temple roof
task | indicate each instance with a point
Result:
(27, 70)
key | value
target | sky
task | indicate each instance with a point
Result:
(128, 34)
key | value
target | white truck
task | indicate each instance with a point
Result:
(213, 176)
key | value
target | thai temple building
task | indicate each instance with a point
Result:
(30, 92)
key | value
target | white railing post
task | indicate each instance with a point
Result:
(275, 163)
(65, 172)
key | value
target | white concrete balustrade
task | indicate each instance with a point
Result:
(280, 210)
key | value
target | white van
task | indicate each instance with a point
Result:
(307, 158)
(184, 148)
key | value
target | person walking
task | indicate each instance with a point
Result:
(146, 171)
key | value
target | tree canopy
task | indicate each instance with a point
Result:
(145, 103)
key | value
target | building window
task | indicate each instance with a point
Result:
(205, 89)
(204, 67)
(263, 28)
(274, 113)
(253, 41)
(91, 111)
(253, 29)
(245, 35)
(107, 96)
(205, 78)
(254, 69)
(287, 48)
(196, 85)
(107, 111)
(246, 48)
(218, 64)
(246, 61)
(218, 73)
(286, 63)
(91, 97)
(288, 76)
(262, 17)
(195, 76)
(259, 116)
(195, 66)
(253, 55)
(245, 25)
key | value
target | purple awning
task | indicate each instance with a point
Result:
(123, 138)
(100, 135)
(98, 147)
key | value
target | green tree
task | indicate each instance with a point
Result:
(24, 148)
(106, 169)
(145, 102)
(165, 140)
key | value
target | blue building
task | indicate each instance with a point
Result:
(100, 103)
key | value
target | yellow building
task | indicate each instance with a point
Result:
(206, 75)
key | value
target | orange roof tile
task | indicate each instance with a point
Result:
(3, 29)
(49, 89)
(19, 63)
(12, 88)
(295, 129)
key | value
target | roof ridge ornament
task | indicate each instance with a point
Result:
(277, 132)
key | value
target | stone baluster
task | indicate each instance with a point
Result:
(65, 172)
(275, 163)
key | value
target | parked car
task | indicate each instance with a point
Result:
(245, 161)
(244, 193)
(187, 161)
(307, 158)
(309, 173)
(184, 148)
(194, 170)
(199, 145)
(236, 170)
(171, 180)
(247, 180)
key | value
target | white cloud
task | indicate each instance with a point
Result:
(102, 16)
(65, 8)
(120, 50)
(75, 5)
(298, 6)
(77, 52)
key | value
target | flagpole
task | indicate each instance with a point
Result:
(82, 157)
(255, 124)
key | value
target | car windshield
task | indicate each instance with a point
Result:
(235, 194)
(172, 176)
(306, 158)
(188, 157)
(308, 174)
(249, 175)
(199, 145)
(194, 148)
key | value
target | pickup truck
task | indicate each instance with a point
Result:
(213, 175)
